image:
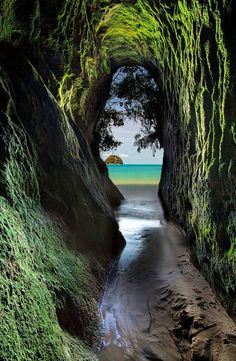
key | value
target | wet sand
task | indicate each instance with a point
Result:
(157, 306)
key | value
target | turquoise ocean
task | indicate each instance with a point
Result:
(135, 174)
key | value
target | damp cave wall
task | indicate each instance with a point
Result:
(198, 186)
(56, 61)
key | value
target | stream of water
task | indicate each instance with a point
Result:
(136, 276)
(151, 284)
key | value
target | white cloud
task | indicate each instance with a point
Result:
(124, 155)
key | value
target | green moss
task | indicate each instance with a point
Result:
(18, 22)
(35, 265)
(232, 250)
(233, 132)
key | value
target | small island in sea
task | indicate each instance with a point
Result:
(113, 159)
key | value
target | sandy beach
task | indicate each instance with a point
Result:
(157, 305)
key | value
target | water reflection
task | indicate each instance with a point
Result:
(130, 285)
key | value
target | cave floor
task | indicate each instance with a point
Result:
(157, 305)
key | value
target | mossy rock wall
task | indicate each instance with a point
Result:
(57, 59)
(39, 272)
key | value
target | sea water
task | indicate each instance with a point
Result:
(135, 174)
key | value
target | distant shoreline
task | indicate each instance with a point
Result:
(136, 164)
(135, 174)
(138, 184)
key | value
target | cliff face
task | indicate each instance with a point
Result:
(56, 65)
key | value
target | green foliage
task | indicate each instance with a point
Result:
(134, 95)
(103, 132)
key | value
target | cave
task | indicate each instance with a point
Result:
(58, 232)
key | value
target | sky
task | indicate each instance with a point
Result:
(127, 151)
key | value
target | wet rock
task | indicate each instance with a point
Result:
(200, 350)
(149, 355)
(186, 320)
(178, 331)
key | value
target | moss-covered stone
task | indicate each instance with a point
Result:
(37, 269)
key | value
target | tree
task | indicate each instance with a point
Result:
(134, 94)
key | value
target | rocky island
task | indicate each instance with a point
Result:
(113, 159)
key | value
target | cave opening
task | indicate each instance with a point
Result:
(129, 129)
(134, 100)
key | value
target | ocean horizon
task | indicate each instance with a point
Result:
(135, 174)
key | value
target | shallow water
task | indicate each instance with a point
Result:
(134, 174)
(136, 277)
(153, 279)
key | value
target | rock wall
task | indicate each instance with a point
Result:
(198, 180)
(56, 65)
